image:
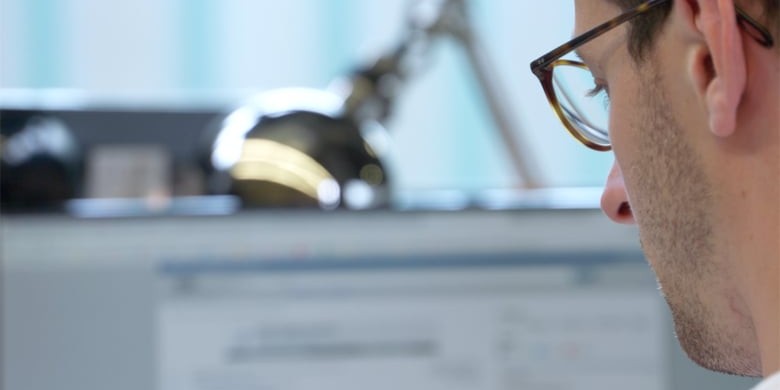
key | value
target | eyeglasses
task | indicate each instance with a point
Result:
(569, 86)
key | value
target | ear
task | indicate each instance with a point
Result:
(725, 76)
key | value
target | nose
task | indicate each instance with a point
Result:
(614, 200)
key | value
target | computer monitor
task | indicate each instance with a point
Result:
(298, 300)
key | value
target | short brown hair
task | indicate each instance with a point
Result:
(644, 30)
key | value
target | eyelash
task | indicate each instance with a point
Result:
(598, 89)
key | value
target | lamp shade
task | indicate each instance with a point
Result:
(297, 148)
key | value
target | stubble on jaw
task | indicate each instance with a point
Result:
(676, 232)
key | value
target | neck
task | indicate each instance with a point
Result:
(766, 312)
(765, 294)
(764, 288)
(768, 331)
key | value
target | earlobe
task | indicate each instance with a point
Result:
(717, 23)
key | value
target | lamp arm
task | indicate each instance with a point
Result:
(371, 90)
(509, 130)
(455, 22)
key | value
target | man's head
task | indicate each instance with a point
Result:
(694, 122)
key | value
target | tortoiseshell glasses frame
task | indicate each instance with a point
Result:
(543, 67)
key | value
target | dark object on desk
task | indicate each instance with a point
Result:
(41, 164)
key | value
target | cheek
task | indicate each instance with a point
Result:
(623, 126)
(619, 126)
(622, 119)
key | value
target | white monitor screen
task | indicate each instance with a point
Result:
(479, 300)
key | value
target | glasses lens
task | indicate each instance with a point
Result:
(584, 104)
